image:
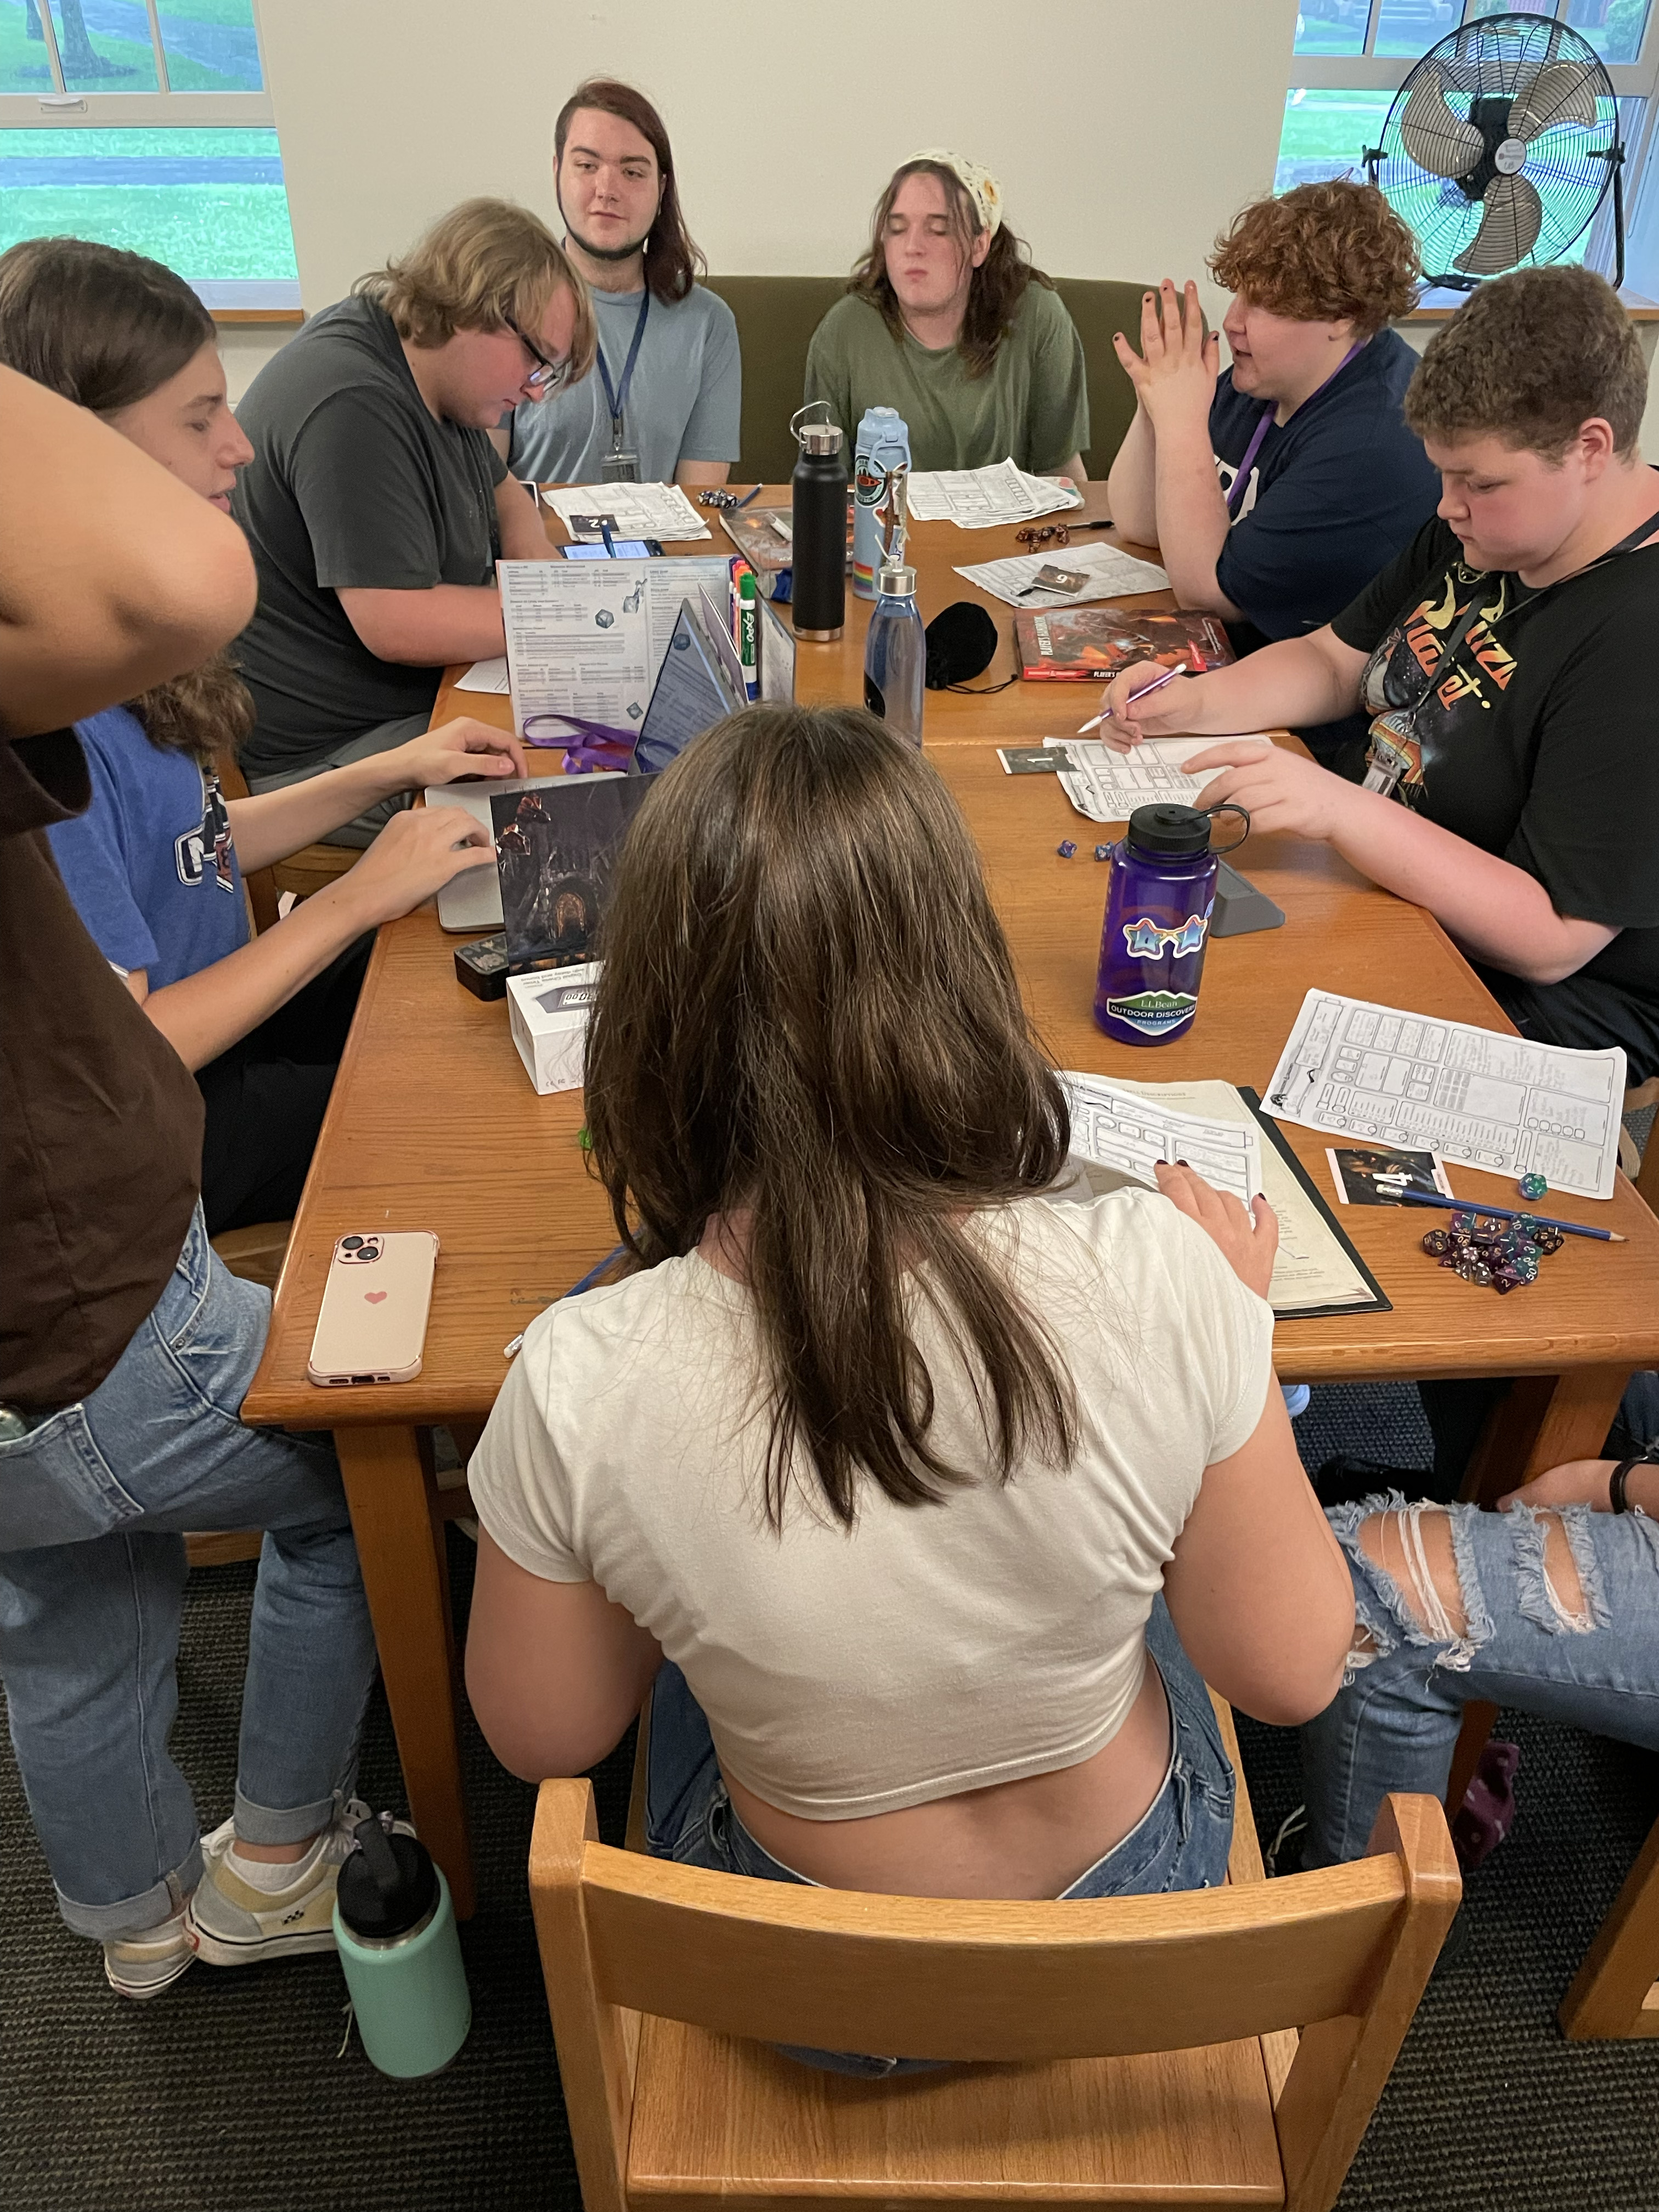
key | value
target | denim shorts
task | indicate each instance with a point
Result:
(1180, 1841)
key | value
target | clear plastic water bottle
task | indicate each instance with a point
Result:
(896, 655)
(883, 444)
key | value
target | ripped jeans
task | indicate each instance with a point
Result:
(1556, 1612)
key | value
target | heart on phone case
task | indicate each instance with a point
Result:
(373, 1298)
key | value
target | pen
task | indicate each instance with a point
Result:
(1145, 692)
(1512, 1213)
(748, 496)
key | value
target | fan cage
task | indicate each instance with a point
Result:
(1570, 164)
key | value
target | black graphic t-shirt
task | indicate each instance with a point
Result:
(1538, 741)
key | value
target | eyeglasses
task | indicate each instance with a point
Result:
(1057, 533)
(547, 375)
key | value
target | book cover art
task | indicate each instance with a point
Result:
(1089, 644)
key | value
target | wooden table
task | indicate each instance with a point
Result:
(433, 1124)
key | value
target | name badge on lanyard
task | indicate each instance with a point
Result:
(620, 465)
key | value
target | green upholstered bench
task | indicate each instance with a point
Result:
(777, 316)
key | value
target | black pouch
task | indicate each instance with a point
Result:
(962, 643)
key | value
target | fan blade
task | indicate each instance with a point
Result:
(1437, 140)
(1511, 220)
(1561, 92)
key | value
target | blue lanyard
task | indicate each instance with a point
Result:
(618, 400)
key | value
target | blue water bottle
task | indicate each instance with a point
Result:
(882, 443)
(395, 1929)
(896, 655)
(1158, 924)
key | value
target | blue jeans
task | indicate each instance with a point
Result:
(1394, 1723)
(1180, 1841)
(92, 1504)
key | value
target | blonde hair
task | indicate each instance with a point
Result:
(486, 263)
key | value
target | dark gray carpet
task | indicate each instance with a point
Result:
(228, 2094)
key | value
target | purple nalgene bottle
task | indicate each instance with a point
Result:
(1158, 924)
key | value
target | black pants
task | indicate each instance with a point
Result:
(266, 1097)
(1587, 1015)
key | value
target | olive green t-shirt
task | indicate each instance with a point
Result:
(1032, 402)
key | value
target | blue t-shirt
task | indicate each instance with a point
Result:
(1334, 493)
(150, 864)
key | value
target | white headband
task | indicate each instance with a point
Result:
(981, 186)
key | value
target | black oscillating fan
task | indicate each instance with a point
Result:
(1499, 147)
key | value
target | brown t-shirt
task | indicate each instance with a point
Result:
(101, 1122)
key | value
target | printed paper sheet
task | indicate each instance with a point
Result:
(487, 676)
(1108, 785)
(1112, 575)
(643, 510)
(1500, 1103)
(989, 498)
(1310, 1268)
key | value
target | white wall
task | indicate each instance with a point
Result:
(786, 121)
(1125, 132)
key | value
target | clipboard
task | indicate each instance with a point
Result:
(1379, 1302)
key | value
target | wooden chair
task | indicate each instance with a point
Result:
(1131, 2052)
(302, 872)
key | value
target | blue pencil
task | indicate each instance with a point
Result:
(1511, 1213)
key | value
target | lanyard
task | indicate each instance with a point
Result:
(618, 400)
(1241, 483)
(1386, 761)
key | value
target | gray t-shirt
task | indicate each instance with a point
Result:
(684, 402)
(353, 482)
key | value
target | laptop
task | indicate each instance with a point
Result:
(471, 902)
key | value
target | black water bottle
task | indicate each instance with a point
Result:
(818, 596)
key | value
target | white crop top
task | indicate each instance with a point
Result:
(931, 1650)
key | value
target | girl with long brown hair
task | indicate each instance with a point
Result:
(154, 864)
(879, 1461)
(946, 320)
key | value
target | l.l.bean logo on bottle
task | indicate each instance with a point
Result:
(1154, 1013)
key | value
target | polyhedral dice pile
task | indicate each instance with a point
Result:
(1493, 1253)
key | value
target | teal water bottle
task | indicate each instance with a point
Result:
(401, 1954)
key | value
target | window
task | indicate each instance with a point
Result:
(146, 124)
(1352, 56)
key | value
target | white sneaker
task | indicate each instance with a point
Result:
(142, 1965)
(232, 1924)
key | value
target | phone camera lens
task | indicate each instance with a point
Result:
(352, 1243)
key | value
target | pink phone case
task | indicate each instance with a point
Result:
(372, 1323)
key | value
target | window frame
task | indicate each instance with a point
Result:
(164, 109)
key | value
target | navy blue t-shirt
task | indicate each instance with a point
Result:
(150, 864)
(1334, 493)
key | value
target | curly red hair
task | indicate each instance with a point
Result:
(1324, 253)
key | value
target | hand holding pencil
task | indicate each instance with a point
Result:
(1145, 702)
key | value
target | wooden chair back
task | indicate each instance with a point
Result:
(260, 885)
(1342, 1954)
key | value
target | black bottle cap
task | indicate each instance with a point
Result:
(388, 1885)
(1175, 829)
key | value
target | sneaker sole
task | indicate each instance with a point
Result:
(218, 1951)
(138, 1992)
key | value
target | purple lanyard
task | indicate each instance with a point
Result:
(1240, 483)
(596, 745)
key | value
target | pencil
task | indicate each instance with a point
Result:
(1145, 692)
(748, 496)
(1512, 1213)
